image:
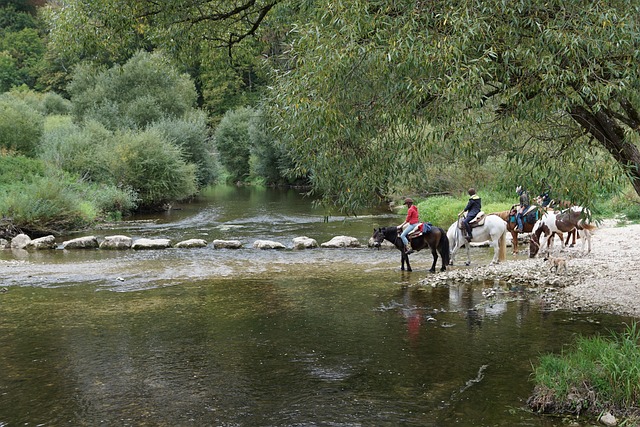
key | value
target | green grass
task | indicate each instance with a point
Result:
(443, 210)
(592, 375)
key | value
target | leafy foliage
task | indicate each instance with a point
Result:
(144, 90)
(153, 167)
(368, 91)
(37, 197)
(191, 134)
(233, 144)
(79, 149)
(20, 126)
(19, 168)
(21, 48)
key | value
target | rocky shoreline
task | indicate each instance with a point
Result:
(606, 280)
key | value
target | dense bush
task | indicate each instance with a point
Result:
(248, 151)
(191, 134)
(79, 149)
(152, 166)
(21, 48)
(268, 160)
(232, 141)
(20, 126)
(19, 168)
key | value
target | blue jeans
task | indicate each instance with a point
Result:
(520, 218)
(407, 230)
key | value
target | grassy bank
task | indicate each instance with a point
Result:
(594, 375)
(443, 210)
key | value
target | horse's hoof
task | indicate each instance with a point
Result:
(433, 270)
(467, 264)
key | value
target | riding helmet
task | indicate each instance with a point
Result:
(408, 201)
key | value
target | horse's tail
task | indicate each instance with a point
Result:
(588, 226)
(443, 247)
(502, 246)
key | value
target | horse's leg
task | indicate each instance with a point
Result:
(468, 246)
(587, 236)
(405, 257)
(494, 245)
(514, 241)
(434, 253)
(571, 235)
(552, 237)
(548, 239)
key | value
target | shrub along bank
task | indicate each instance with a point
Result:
(593, 376)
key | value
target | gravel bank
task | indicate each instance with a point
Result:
(605, 280)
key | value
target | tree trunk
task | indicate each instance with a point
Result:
(610, 134)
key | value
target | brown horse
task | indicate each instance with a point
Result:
(436, 240)
(510, 217)
(528, 223)
(575, 218)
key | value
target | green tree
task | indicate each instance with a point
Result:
(369, 91)
(147, 88)
(117, 28)
(212, 40)
(21, 48)
(268, 160)
(232, 141)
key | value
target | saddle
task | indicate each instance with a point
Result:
(477, 221)
(529, 216)
(421, 228)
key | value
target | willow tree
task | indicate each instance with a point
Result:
(369, 88)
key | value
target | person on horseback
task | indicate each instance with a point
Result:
(412, 220)
(524, 205)
(545, 197)
(474, 206)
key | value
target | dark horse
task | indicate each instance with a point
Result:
(436, 239)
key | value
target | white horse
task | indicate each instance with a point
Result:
(574, 218)
(493, 229)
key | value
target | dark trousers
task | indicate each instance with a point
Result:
(466, 223)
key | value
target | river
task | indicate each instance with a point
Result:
(249, 337)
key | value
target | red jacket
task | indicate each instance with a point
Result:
(412, 215)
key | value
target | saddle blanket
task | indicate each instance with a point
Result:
(422, 228)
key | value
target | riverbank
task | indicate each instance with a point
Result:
(606, 280)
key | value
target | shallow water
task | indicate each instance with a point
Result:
(205, 337)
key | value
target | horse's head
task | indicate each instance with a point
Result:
(539, 229)
(378, 237)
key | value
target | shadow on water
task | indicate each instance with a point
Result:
(323, 337)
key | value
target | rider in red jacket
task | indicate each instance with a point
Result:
(412, 220)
